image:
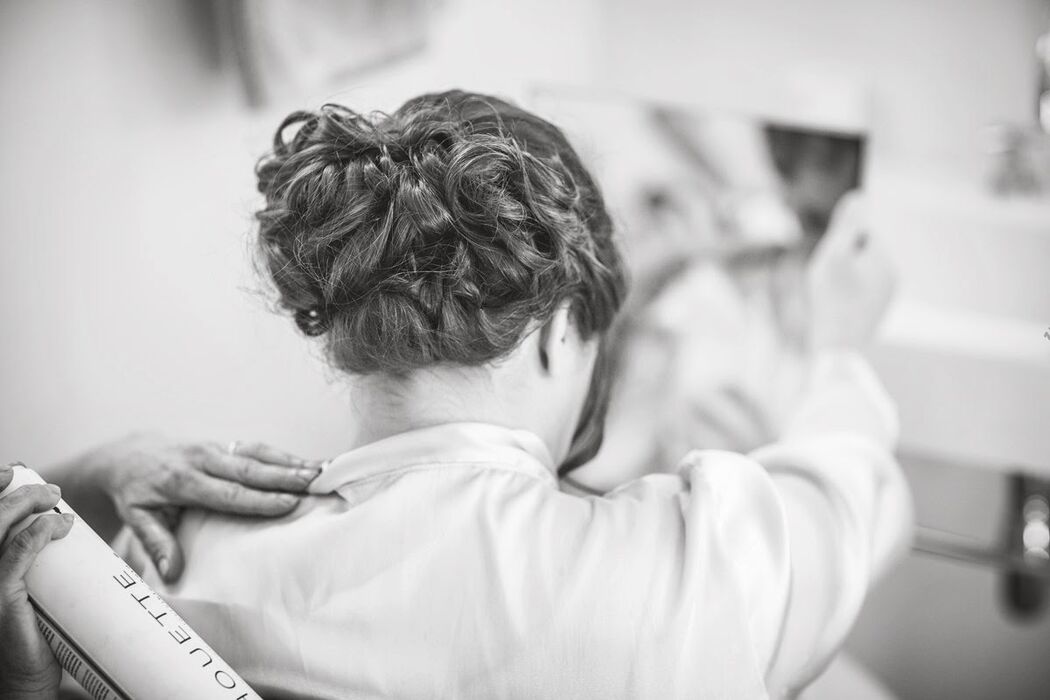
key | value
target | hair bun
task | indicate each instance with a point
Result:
(436, 234)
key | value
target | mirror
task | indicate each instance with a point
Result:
(718, 214)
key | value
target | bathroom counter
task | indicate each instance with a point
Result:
(972, 388)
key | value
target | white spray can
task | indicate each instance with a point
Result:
(110, 631)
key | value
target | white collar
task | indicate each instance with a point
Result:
(438, 445)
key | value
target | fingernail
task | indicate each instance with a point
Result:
(163, 565)
(68, 518)
(307, 474)
(54, 489)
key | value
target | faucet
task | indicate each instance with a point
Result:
(1021, 153)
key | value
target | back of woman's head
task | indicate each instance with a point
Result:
(441, 233)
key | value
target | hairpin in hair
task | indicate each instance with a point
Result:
(312, 321)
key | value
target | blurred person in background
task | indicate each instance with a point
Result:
(458, 263)
(722, 214)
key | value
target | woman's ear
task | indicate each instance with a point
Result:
(553, 337)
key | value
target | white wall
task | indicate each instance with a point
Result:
(935, 71)
(126, 193)
(125, 199)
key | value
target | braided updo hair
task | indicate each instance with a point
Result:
(438, 234)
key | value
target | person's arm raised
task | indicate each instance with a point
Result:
(847, 505)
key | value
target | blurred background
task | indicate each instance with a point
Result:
(723, 133)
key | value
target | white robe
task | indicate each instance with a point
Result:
(446, 563)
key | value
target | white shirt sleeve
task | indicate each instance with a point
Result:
(774, 551)
(847, 505)
(681, 578)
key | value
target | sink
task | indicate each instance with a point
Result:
(965, 350)
(955, 245)
(971, 388)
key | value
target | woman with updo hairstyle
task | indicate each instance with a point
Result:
(456, 263)
(440, 235)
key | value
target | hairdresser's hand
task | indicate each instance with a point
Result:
(27, 667)
(850, 280)
(151, 480)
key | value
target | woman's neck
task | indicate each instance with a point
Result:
(384, 406)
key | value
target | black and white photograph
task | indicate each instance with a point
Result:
(525, 349)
